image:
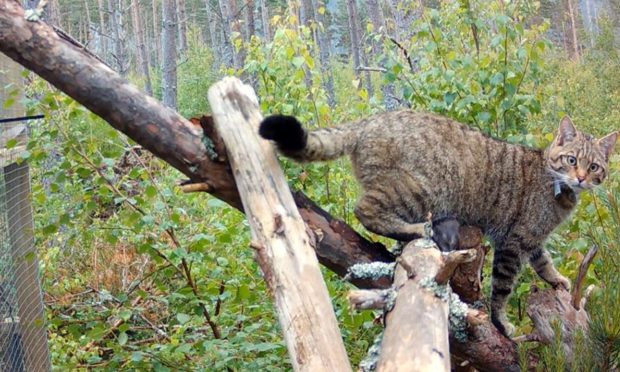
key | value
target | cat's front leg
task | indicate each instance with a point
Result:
(543, 265)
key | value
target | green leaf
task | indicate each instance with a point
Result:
(122, 338)
(183, 318)
(298, 61)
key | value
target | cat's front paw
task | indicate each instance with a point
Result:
(446, 233)
(503, 325)
(560, 282)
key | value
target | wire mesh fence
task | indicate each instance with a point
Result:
(23, 336)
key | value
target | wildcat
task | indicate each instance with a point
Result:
(410, 164)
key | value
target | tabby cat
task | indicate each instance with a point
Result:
(410, 164)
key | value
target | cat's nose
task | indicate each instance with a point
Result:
(581, 178)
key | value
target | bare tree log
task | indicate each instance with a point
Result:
(282, 244)
(416, 330)
(552, 309)
(365, 299)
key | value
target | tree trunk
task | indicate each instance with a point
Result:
(306, 12)
(377, 18)
(324, 52)
(572, 13)
(228, 50)
(182, 24)
(103, 36)
(143, 61)
(264, 12)
(250, 29)
(169, 65)
(53, 13)
(121, 60)
(235, 22)
(157, 28)
(88, 23)
(279, 236)
(212, 19)
(353, 31)
(356, 43)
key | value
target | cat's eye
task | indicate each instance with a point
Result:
(594, 167)
(571, 160)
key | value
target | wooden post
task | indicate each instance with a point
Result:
(280, 238)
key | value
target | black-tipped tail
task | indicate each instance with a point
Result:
(286, 131)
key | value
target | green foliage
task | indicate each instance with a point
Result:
(474, 61)
(131, 265)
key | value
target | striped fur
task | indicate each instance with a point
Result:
(410, 164)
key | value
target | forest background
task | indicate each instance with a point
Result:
(138, 275)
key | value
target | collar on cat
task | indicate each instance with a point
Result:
(557, 188)
(564, 193)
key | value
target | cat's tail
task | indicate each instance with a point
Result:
(295, 142)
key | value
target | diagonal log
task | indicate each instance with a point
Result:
(283, 247)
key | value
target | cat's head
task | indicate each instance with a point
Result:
(578, 159)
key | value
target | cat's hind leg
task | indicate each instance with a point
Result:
(506, 268)
(379, 213)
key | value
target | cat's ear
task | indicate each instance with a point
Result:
(607, 143)
(566, 132)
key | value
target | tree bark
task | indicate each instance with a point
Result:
(353, 31)
(235, 21)
(356, 44)
(182, 25)
(103, 51)
(53, 13)
(157, 28)
(213, 30)
(416, 329)
(264, 12)
(169, 65)
(121, 60)
(143, 61)
(324, 53)
(279, 235)
(573, 28)
(250, 29)
(377, 18)
(228, 49)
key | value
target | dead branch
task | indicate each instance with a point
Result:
(365, 299)
(451, 261)
(583, 270)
